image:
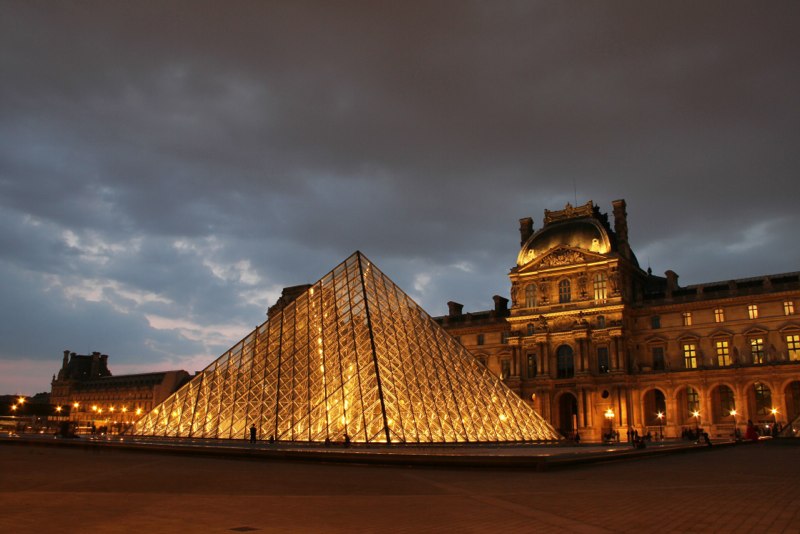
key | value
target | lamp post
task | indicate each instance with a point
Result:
(610, 416)
(696, 416)
(734, 413)
(774, 412)
(660, 416)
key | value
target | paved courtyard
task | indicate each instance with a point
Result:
(752, 488)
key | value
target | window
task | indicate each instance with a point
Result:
(655, 321)
(687, 318)
(793, 346)
(505, 369)
(531, 365)
(504, 337)
(566, 363)
(692, 400)
(757, 350)
(723, 353)
(719, 315)
(531, 329)
(601, 321)
(602, 360)
(690, 355)
(658, 358)
(600, 287)
(788, 307)
(726, 401)
(763, 398)
(564, 291)
(530, 296)
(752, 311)
(480, 339)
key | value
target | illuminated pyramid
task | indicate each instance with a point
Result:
(353, 355)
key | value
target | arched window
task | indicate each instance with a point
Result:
(600, 287)
(566, 362)
(530, 296)
(564, 291)
(763, 399)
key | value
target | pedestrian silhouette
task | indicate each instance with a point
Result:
(253, 434)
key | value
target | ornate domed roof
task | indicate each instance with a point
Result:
(584, 232)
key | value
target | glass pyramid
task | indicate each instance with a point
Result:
(355, 356)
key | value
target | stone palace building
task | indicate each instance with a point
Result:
(602, 347)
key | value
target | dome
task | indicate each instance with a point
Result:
(584, 233)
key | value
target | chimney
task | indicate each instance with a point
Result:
(621, 226)
(525, 230)
(66, 359)
(500, 305)
(454, 309)
(672, 282)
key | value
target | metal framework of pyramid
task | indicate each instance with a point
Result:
(352, 356)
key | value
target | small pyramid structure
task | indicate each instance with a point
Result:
(351, 356)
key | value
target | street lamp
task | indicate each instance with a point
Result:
(734, 413)
(696, 416)
(660, 416)
(774, 412)
(610, 416)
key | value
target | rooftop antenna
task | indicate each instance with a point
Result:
(575, 191)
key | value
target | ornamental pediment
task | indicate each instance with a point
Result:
(559, 256)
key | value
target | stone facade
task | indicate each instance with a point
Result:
(89, 395)
(600, 346)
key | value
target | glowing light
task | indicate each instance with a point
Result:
(14, 408)
(138, 411)
(660, 416)
(697, 414)
(609, 414)
(58, 409)
(774, 411)
(503, 417)
(21, 400)
(734, 413)
(124, 409)
(75, 404)
(94, 408)
(111, 409)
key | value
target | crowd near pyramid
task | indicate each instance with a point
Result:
(352, 358)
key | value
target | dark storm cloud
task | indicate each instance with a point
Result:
(165, 168)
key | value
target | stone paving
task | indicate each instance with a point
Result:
(748, 488)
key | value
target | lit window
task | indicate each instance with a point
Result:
(655, 321)
(480, 339)
(690, 355)
(600, 284)
(564, 291)
(723, 353)
(531, 365)
(658, 358)
(687, 318)
(602, 360)
(531, 329)
(793, 346)
(530, 296)
(505, 369)
(752, 311)
(788, 307)
(757, 350)
(719, 315)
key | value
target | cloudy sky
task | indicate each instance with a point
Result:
(166, 168)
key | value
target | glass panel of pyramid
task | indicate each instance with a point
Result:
(352, 356)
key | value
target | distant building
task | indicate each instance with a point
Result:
(85, 390)
(599, 345)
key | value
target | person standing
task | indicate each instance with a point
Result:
(253, 434)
